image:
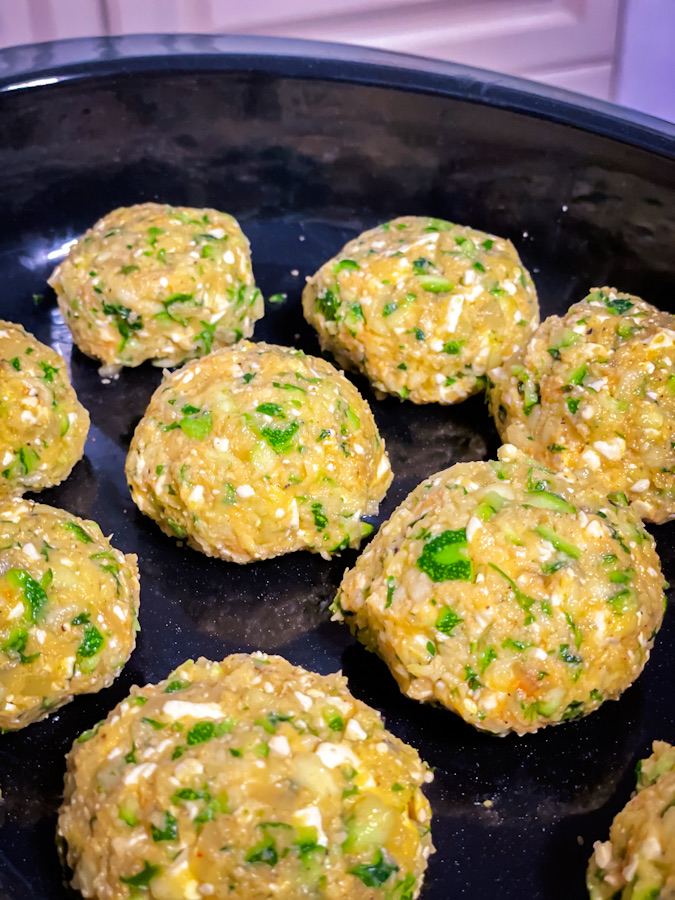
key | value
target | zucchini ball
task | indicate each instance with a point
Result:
(507, 594)
(44, 426)
(593, 395)
(68, 610)
(638, 860)
(259, 450)
(158, 282)
(250, 778)
(422, 307)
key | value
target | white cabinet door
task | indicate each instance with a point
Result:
(31, 21)
(571, 43)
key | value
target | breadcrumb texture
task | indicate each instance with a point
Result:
(593, 395)
(250, 778)
(423, 307)
(507, 594)
(158, 282)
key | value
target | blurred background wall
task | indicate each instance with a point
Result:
(620, 50)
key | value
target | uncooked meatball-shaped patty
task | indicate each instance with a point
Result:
(503, 592)
(43, 426)
(423, 307)
(246, 779)
(593, 393)
(638, 860)
(158, 282)
(68, 610)
(256, 451)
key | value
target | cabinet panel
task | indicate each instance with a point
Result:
(506, 35)
(30, 21)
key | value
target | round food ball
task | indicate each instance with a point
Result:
(593, 394)
(43, 424)
(158, 282)
(638, 860)
(68, 606)
(256, 451)
(503, 592)
(250, 778)
(423, 307)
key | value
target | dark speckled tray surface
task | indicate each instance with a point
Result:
(307, 145)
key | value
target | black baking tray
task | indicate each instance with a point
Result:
(307, 144)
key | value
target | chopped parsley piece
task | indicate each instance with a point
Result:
(33, 593)
(567, 656)
(486, 657)
(472, 678)
(205, 337)
(125, 320)
(522, 599)
(271, 409)
(189, 794)
(15, 362)
(348, 264)
(376, 873)
(170, 830)
(201, 733)
(92, 642)
(328, 305)
(143, 878)
(263, 852)
(518, 646)
(131, 758)
(573, 710)
(622, 602)
(618, 306)
(550, 567)
(421, 266)
(453, 347)
(48, 372)
(176, 685)
(389, 308)
(280, 439)
(447, 621)
(153, 723)
(335, 721)
(320, 518)
(391, 586)
(127, 270)
(15, 647)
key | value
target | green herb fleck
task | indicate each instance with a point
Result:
(446, 557)
(376, 873)
(79, 532)
(92, 642)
